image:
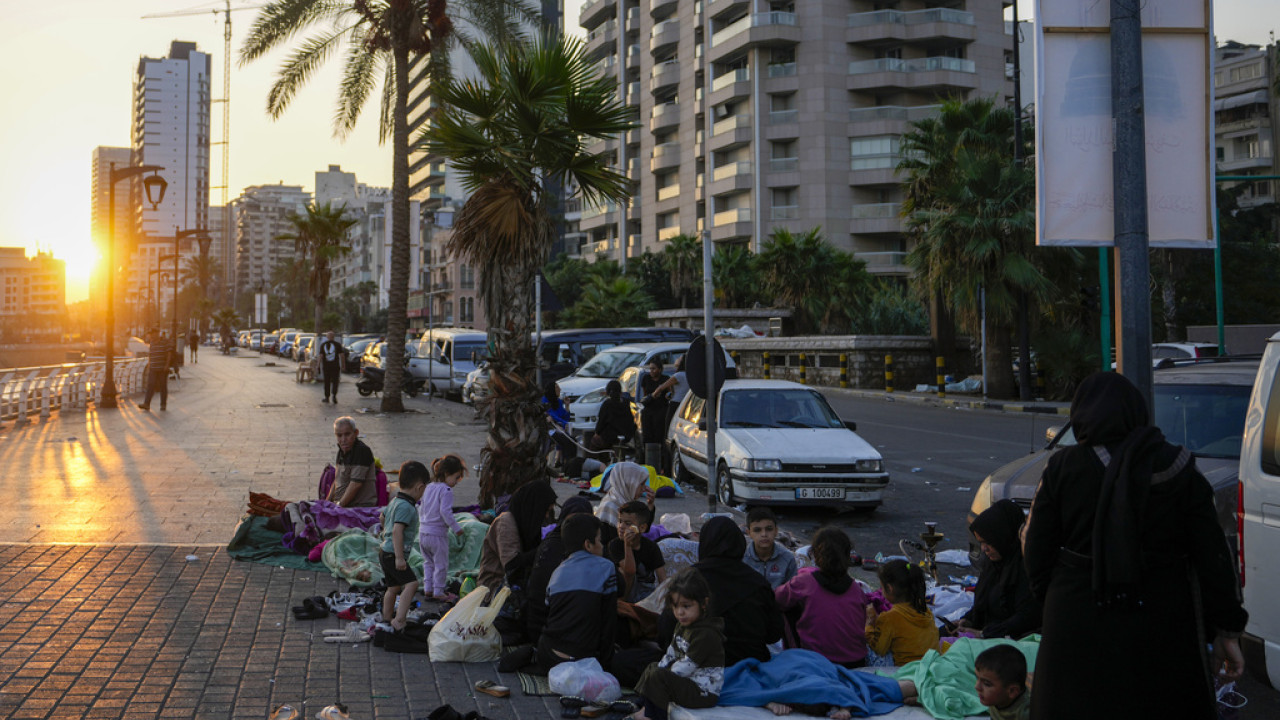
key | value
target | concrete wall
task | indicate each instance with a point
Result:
(913, 359)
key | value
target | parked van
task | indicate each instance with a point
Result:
(564, 351)
(1258, 519)
(460, 350)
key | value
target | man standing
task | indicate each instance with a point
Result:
(193, 341)
(332, 358)
(158, 358)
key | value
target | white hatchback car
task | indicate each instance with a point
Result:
(778, 443)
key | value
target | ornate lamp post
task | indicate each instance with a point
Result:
(154, 185)
(202, 236)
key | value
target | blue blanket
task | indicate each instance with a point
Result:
(804, 676)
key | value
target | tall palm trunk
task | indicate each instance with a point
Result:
(1000, 382)
(321, 291)
(398, 293)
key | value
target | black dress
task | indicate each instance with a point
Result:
(654, 415)
(1003, 605)
(1124, 546)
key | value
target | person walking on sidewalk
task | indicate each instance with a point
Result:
(332, 358)
(158, 357)
(193, 342)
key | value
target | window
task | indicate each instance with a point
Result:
(875, 152)
(785, 197)
(892, 52)
(782, 101)
(1271, 431)
(693, 409)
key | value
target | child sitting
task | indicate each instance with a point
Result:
(399, 526)
(764, 555)
(907, 631)
(1002, 682)
(832, 609)
(638, 557)
(582, 599)
(435, 513)
(692, 672)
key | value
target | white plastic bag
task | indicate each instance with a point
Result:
(585, 679)
(466, 632)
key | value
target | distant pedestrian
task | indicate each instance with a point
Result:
(193, 342)
(158, 358)
(435, 513)
(332, 359)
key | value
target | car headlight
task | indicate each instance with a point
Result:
(595, 396)
(869, 466)
(758, 465)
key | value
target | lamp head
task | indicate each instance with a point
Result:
(155, 187)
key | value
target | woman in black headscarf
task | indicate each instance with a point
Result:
(739, 594)
(511, 542)
(1003, 605)
(1124, 547)
(614, 424)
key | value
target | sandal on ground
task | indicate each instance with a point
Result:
(285, 712)
(595, 709)
(352, 633)
(336, 711)
(572, 706)
(489, 687)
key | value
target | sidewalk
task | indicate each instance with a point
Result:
(103, 616)
(1047, 407)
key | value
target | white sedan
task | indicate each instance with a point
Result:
(778, 443)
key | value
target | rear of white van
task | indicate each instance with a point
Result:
(1259, 519)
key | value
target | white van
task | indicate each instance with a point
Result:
(1258, 518)
(461, 349)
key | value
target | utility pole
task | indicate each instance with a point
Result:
(1129, 168)
(1024, 301)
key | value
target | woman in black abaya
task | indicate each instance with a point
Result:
(1124, 547)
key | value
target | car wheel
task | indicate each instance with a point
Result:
(679, 472)
(364, 391)
(724, 485)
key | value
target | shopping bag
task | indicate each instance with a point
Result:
(466, 633)
(585, 679)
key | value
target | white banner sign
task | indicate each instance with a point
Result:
(1074, 130)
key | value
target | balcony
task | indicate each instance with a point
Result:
(664, 35)
(601, 40)
(633, 93)
(917, 73)
(664, 157)
(607, 67)
(731, 86)
(784, 165)
(782, 117)
(875, 169)
(875, 218)
(892, 262)
(732, 178)
(731, 224)
(887, 119)
(716, 8)
(759, 30)
(664, 116)
(914, 26)
(605, 247)
(784, 212)
(595, 11)
(635, 245)
(734, 131)
(666, 233)
(662, 8)
(633, 20)
(668, 192)
(777, 70)
(601, 146)
(633, 136)
(598, 216)
(1244, 163)
(633, 169)
(633, 57)
(664, 75)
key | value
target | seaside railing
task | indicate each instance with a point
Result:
(38, 391)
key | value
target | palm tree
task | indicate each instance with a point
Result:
(383, 39)
(684, 260)
(322, 234)
(971, 210)
(613, 303)
(737, 277)
(521, 125)
(822, 285)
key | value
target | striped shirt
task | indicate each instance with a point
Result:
(158, 355)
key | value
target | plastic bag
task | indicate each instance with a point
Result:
(466, 633)
(585, 679)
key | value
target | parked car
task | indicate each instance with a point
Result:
(1201, 406)
(460, 349)
(583, 391)
(301, 345)
(374, 361)
(561, 352)
(286, 342)
(270, 342)
(477, 384)
(355, 349)
(1258, 519)
(778, 443)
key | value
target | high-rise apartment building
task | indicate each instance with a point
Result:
(755, 115)
(32, 293)
(261, 214)
(1245, 101)
(100, 220)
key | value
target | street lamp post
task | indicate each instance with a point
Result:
(154, 185)
(203, 238)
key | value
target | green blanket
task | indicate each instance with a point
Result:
(946, 681)
(252, 541)
(464, 550)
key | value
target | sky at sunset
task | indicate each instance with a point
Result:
(68, 70)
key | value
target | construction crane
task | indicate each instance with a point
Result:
(226, 11)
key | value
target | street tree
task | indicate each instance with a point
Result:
(620, 302)
(520, 127)
(321, 235)
(822, 285)
(683, 255)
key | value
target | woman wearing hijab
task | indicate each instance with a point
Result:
(1003, 605)
(511, 542)
(1124, 546)
(614, 424)
(627, 481)
(739, 594)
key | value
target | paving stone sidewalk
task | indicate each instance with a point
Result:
(103, 616)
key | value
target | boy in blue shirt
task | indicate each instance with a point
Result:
(399, 525)
(582, 599)
(764, 555)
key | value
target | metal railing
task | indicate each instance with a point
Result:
(893, 112)
(875, 211)
(729, 78)
(41, 390)
(750, 21)
(859, 67)
(729, 170)
(913, 17)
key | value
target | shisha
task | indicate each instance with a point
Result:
(931, 538)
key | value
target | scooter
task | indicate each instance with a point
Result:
(371, 379)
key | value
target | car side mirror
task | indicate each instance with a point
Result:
(702, 425)
(1051, 433)
(853, 426)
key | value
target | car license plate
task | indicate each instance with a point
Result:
(836, 493)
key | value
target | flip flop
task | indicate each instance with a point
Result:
(352, 633)
(572, 706)
(625, 707)
(489, 687)
(285, 712)
(336, 711)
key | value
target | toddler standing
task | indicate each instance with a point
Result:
(691, 674)
(435, 513)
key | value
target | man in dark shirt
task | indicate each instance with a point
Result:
(356, 482)
(639, 559)
(582, 599)
(332, 358)
(158, 357)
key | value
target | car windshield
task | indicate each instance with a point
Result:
(609, 364)
(1207, 419)
(776, 408)
(465, 352)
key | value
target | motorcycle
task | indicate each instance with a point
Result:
(371, 379)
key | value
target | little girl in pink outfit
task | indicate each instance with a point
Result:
(435, 518)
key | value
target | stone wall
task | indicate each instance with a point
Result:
(913, 359)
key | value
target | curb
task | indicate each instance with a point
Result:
(1043, 408)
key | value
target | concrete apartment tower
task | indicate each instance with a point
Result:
(1245, 103)
(755, 115)
(100, 222)
(262, 213)
(171, 106)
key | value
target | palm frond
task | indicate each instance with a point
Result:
(299, 67)
(281, 20)
(359, 77)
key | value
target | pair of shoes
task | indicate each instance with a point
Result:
(571, 706)
(313, 608)
(326, 399)
(352, 634)
(336, 711)
(489, 687)
(144, 407)
(285, 712)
